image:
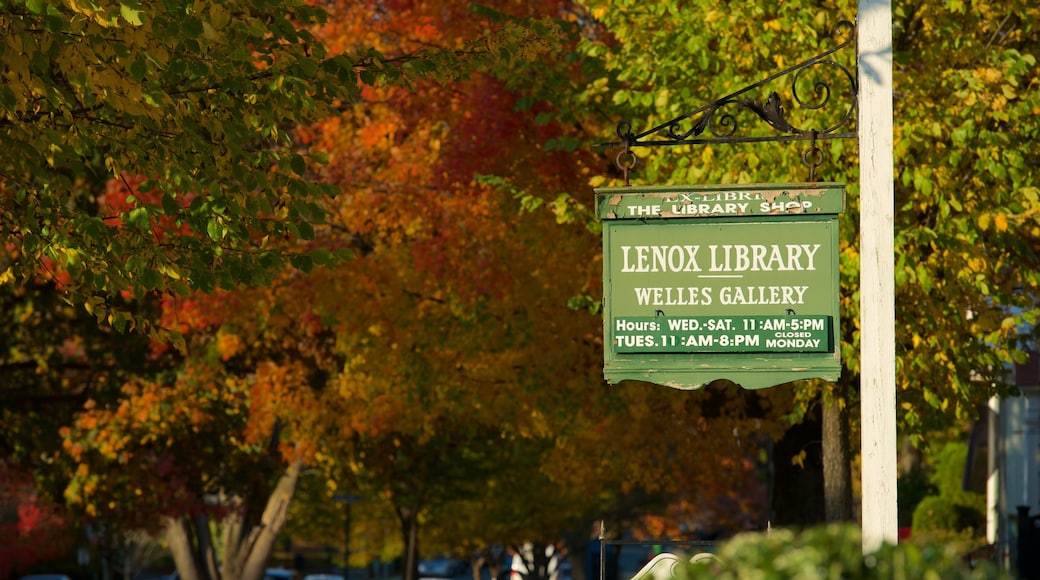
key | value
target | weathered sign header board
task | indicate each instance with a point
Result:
(736, 282)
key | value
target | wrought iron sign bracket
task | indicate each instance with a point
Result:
(718, 121)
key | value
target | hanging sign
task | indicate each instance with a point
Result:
(732, 282)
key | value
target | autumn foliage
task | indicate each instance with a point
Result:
(439, 369)
(453, 364)
(32, 527)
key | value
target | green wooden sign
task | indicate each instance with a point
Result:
(703, 283)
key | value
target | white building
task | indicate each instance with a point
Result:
(1010, 443)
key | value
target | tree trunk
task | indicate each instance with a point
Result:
(410, 533)
(185, 557)
(256, 547)
(837, 468)
(232, 528)
(244, 555)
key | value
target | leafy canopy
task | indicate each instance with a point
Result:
(967, 97)
(185, 105)
(186, 110)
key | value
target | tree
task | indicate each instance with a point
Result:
(432, 282)
(185, 118)
(449, 321)
(54, 359)
(455, 302)
(966, 195)
(190, 112)
(32, 527)
(444, 343)
(443, 355)
(174, 452)
(187, 109)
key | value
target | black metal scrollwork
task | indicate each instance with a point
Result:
(719, 121)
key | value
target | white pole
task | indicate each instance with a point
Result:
(877, 281)
(993, 474)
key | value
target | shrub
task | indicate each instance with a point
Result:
(936, 513)
(948, 477)
(912, 487)
(831, 552)
(954, 509)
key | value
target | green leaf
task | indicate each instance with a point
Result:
(192, 27)
(343, 254)
(214, 230)
(7, 97)
(322, 257)
(302, 262)
(150, 278)
(130, 14)
(169, 204)
(298, 164)
(139, 217)
(138, 69)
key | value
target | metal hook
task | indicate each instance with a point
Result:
(813, 156)
(626, 162)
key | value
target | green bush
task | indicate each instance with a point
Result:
(954, 509)
(936, 513)
(912, 487)
(948, 477)
(831, 552)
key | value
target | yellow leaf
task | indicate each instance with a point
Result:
(1000, 221)
(707, 154)
(662, 99)
(984, 221)
(989, 75)
(713, 15)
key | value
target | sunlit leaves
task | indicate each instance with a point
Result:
(172, 155)
(448, 336)
(125, 92)
(968, 266)
(137, 433)
(451, 328)
(966, 182)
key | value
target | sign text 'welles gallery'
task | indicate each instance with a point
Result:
(721, 282)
